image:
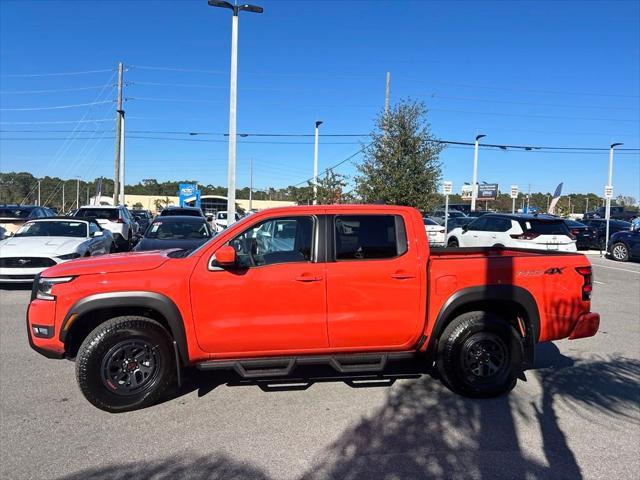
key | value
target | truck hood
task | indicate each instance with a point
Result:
(114, 263)
(39, 246)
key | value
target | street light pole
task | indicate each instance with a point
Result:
(474, 185)
(233, 83)
(609, 186)
(315, 165)
(122, 164)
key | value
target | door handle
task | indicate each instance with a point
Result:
(402, 275)
(305, 277)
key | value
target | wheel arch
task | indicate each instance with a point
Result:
(516, 301)
(89, 312)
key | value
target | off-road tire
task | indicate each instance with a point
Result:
(462, 338)
(95, 351)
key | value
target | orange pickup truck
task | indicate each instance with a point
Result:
(355, 287)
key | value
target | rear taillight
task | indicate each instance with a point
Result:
(525, 236)
(587, 286)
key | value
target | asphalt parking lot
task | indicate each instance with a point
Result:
(577, 416)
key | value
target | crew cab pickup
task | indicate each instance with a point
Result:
(354, 287)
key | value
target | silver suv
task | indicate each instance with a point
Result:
(116, 219)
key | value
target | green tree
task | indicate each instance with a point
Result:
(138, 206)
(330, 190)
(401, 165)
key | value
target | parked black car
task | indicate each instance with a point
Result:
(600, 227)
(175, 231)
(625, 245)
(142, 217)
(189, 211)
(616, 213)
(586, 236)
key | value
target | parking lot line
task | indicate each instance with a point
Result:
(616, 268)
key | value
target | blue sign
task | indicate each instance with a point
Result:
(188, 192)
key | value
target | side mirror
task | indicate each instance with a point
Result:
(465, 228)
(226, 256)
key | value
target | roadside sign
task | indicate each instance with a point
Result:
(447, 188)
(608, 191)
(514, 191)
(488, 191)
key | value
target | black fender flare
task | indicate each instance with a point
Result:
(511, 293)
(141, 299)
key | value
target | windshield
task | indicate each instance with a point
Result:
(102, 213)
(428, 221)
(177, 230)
(16, 212)
(53, 229)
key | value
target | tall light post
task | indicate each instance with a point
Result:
(315, 164)
(122, 164)
(474, 185)
(609, 193)
(231, 176)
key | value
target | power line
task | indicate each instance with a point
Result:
(57, 107)
(56, 90)
(60, 74)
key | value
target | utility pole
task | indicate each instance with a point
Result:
(250, 184)
(315, 165)
(122, 165)
(528, 198)
(63, 197)
(387, 95)
(233, 92)
(39, 193)
(474, 184)
(87, 195)
(78, 192)
(116, 176)
(609, 193)
(586, 209)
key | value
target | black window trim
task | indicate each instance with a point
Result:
(331, 237)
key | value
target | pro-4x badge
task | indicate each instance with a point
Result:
(554, 271)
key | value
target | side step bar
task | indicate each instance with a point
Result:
(284, 366)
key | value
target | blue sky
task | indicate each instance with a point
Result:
(525, 73)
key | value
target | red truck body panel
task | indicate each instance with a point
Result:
(302, 308)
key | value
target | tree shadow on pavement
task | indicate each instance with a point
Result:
(425, 431)
(193, 467)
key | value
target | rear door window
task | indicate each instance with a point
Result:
(478, 225)
(367, 237)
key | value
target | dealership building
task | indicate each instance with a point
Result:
(208, 203)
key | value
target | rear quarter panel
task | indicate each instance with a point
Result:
(552, 280)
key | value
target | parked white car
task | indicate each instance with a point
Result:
(116, 219)
(43, 243)
(435, 232)
(539, 232)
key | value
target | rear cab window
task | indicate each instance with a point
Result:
(369, 237)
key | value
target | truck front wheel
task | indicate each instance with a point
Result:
(479, 355)
(125, 364)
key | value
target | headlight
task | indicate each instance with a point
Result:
(69, 256)
(46, 284)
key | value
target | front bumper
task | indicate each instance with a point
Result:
(586, 326)
(19, 275)
(41, 313)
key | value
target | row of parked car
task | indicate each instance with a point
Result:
(547, 232)
(34, 238)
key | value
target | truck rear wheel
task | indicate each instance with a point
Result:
(479, 355)
(125, 364)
